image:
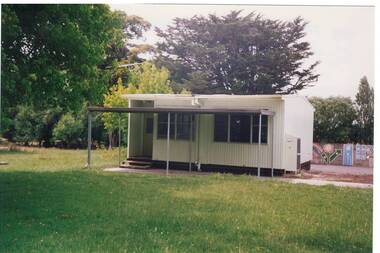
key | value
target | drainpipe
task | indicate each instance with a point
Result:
(198, 142)
(259, 148)
(89, 128)
(190, 140)
(168, 146)
(272, 144)
(119, 140)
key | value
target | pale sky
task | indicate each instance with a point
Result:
(342, 38)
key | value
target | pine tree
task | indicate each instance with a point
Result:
(237, 54)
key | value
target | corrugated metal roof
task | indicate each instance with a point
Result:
(188, 96)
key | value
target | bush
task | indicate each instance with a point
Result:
(27, 125)
(33, 125)
(69, 131)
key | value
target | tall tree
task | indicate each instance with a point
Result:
(237, 54)
(54, 52)
(365, 111)
(124, 50)
(57, 55)
(333, 119)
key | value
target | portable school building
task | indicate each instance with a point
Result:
(256, 134)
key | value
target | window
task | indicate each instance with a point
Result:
(236, 127)
(264, 128)
(162, 125)
(183, 126)
(221, 127)
(179, 126)
(240, 128)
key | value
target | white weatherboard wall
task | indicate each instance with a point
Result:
(234, 154)
(299, 116)
(293, 118)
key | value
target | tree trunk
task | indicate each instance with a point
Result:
(110, 140)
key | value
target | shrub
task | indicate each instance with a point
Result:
(69, 131)
(31, 125)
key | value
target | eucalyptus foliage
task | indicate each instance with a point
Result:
(61, 56)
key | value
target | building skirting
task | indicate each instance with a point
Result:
(219, 168)
(306, 165)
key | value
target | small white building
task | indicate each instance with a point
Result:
(258, 134)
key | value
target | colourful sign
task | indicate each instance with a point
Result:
(348, 153)
(327, 153)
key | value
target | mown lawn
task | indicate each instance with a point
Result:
(48, 203)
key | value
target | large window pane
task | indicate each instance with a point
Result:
(221, 127)
(264, 128)
(183, 126)
(162, 125)
(240, 127)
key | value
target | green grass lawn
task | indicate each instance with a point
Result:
(48, 203)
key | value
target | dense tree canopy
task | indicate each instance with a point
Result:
(341, 120)
(333, 119)
(61, 56)
(50, 53)
(237, 54)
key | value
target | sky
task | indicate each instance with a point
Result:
(342, 38)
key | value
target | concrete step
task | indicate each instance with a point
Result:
(139, 162)
(135, 164)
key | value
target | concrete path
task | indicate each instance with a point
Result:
(326, 182)
(341, 169)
